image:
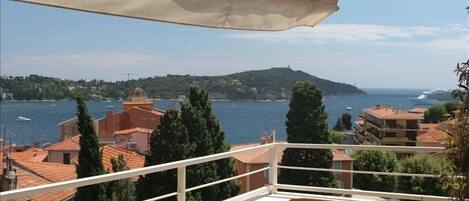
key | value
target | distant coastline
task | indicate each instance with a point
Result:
(260, 85)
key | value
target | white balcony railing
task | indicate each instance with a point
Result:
(271, 188)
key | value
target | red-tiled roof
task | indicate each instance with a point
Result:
(31, 154)
(418, 110)
(53, 172)
(70, 144)
(133, 159)
(261, 156)
(392, 113)
(26, 178)
(432, 135)
(133, 130)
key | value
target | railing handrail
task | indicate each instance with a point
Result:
(124, 174)
(406, 149)
(188, 162)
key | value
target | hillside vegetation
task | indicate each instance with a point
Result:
(274, 83)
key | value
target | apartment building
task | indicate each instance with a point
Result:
(390, 126)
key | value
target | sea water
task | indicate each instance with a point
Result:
(242, 121)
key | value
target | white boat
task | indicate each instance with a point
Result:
(348, 108)
(20, 118)
(433, 97)
(110, 106)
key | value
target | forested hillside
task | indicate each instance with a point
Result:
(274, 83)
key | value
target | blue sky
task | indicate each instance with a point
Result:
(377, 44)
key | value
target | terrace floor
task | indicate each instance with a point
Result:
(262, 194)
(286, 196)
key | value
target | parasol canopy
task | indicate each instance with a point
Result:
(266, 15)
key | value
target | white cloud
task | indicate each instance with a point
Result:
(114, 66)
(100, 61)
(442, 38)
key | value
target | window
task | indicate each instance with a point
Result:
(66, 158)
(266, 172)
(339, 184)
(391, 134)
(337, 166)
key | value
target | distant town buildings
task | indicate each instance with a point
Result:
(434, 134)
(390, 126)
(138, 112)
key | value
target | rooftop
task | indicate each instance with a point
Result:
(432, 135)
(133, 130)
(70, 144)
(31, 154)
(273, 191)
(133, 159)
(392, 113)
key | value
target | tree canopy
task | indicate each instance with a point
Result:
(379, 161)
(306, 123)
(169, 142)
(272, 83)
(435, 113)
(89, 157)
(120, 190)
(206, 132)
(424, 164)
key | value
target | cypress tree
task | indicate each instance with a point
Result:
(120, 190)
(339, 126)
(199, 99)
(306, 123)
(199, 135)
(168, 143)
(89, 158)
(346, 119)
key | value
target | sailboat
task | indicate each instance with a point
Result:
(21, 118)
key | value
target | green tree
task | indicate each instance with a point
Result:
(339, 126)
(120, 190)
(458, 142)
(199, 99)
(306, 123)
(435, 113)
(198, 134)
(452, 106)
(169, 142)
(379, 161)
(346, 119)
(424, 164)
(89, 158)
(337, 136)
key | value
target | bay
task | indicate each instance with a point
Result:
(243, 121)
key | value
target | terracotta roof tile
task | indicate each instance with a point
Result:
(31, 154)
(53, 172)
(133, 159)
(262, 156)
(70, 144)
(432, 135)
(29, 179)
(418, 110)
(392, 113)
(133, 130)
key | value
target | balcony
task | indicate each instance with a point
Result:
(272, 191)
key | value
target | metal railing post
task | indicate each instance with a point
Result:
(181, 189)
(273, 166)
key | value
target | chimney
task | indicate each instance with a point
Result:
(109, 121)
(8, 179)
(267, 138)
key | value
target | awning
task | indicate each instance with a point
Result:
(267, 15)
